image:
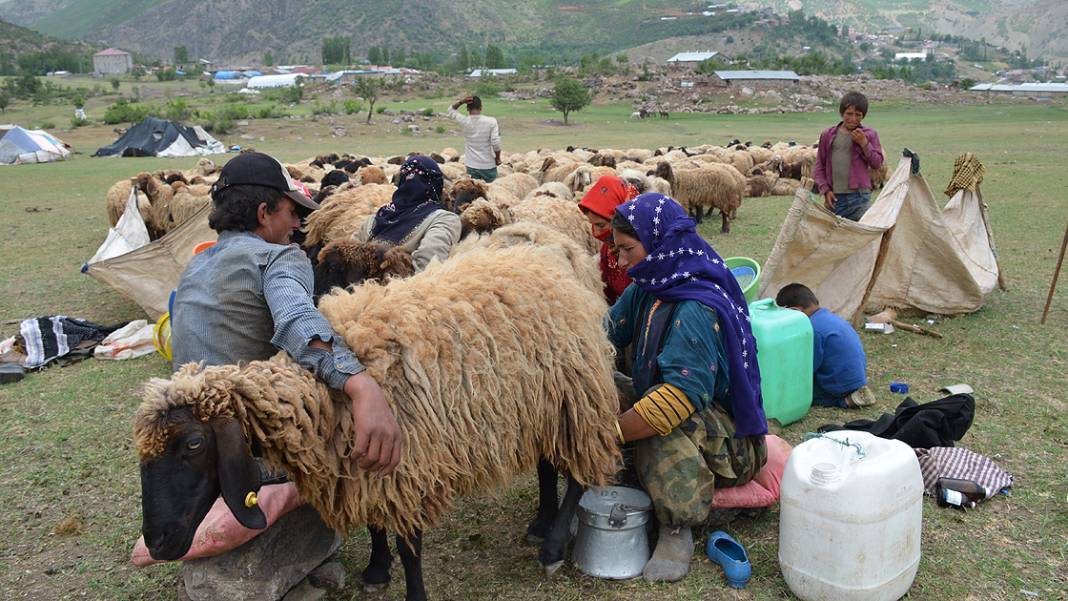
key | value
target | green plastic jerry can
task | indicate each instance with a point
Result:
(784, 353)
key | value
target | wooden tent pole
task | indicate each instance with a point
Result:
(990, 238)
(1056, 272)
(878, 267)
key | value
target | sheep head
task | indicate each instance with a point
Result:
(663, 171)
(189, 454)
(348, 262)
(464, 192)
(372, 175)
(482, 216)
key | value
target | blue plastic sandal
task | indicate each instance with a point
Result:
(731, 555)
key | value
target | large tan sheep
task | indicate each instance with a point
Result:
(562, 215)
(470, 359)
(343, 213)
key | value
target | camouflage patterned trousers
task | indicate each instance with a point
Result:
(680, 471)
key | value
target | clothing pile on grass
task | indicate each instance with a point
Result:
(932, 429)
(61, 340)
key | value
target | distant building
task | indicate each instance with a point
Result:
(690, 59)
(112, 62)
(764, 79)
(1023, 89)
(492, 72)
(910, 56)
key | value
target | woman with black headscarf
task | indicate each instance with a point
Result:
(415, 219)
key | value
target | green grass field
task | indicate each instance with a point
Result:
(65, 433)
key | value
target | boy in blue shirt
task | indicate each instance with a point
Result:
(838, 359)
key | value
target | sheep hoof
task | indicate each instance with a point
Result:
(552, 568)
(374, 587)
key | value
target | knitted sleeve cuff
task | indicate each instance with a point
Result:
(664, 408)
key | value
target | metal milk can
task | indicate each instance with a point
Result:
(612, 541)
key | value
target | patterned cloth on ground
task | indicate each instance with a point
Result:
(961, 464)
(53, 336)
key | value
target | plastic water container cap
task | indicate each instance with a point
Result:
(825, 473)
(899, 387)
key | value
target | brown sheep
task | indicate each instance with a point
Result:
(712, 186)
(482, 216)
(347, 262)
(372, 175)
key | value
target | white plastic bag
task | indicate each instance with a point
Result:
(130, 341)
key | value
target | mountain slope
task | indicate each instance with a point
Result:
(242, 30)
(18, 42)
(1040, 26)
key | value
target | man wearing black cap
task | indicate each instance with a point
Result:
(250, 295)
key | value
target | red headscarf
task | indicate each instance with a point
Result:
(601, 199)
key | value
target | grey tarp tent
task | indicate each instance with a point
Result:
(147, 272)
(160, 138)
(910, 252)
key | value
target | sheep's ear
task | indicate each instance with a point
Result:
(239, 476)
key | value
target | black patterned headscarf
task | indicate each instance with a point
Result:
(419, 195)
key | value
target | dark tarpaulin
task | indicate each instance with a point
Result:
(149, 138)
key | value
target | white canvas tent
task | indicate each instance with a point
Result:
(906, 252)
(147, 272)
(20, 146)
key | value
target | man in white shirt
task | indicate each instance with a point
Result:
(482, 139)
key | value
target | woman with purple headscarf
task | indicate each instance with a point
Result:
(696, 416)
(415, 219)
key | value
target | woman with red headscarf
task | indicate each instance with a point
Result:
(599, 205)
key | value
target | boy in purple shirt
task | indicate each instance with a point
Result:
(846, 152)
(838, 360)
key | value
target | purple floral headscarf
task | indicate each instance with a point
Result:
(680, 265)
(418, 195)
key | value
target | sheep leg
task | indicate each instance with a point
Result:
(376, 575)
(554, 548)
(726, 222)
(548, 501)
(699, 213)
(411, 554)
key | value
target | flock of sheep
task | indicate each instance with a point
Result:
(491, 360)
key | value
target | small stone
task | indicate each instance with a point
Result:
(264, 568)
(304, 592)
(329, 576)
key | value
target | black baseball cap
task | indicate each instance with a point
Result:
(258, 169)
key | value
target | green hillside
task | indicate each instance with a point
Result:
(242, 30)
(27, 50)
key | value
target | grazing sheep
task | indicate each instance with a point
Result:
(116, 197)
(186, 203)
(453, 171)
(584, 176)
(713, 186)
(463, 192)
(760, 154)
(760, 183)
(470, 358)
(372, 175)
(343, 213)
(334, 178)
(556, 169)
(785, 186)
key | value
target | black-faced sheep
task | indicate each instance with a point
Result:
(346, 262)
(470, 358)
(713, 186)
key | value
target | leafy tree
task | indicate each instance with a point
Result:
(181, 55)
(400, 56)
(336, 51)
(115, 83)
(5, 101)
(385, 55)
(167, 74)
(569, 95)
(494, 57)
(374, 55)
(268, 60)
(367, 88)
(463, 59)
(621, 58)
